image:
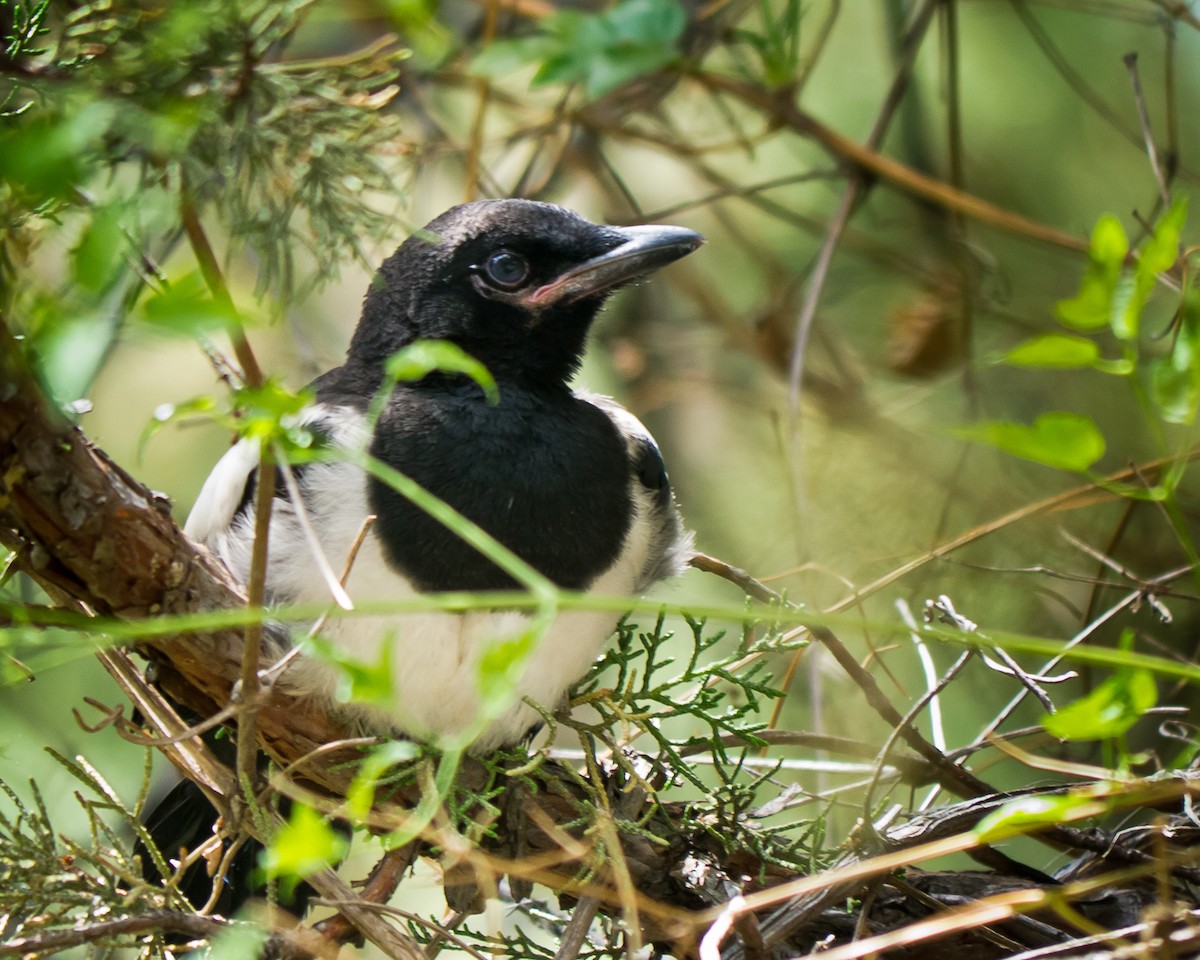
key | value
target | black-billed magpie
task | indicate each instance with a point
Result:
(570, 482)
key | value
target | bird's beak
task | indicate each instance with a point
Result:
(645, 249)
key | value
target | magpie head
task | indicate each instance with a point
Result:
(515, 283)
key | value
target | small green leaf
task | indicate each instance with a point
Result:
(361, 793)
(1068, 441)
(603, 50)
(186, 307)
(1108, 711)
(1160, 252)
(47, 156)
(424, 357)
(241, 941)
(1091, 307)
(70, 347)
(359, 681)
(501, 666)
(302, 846)
(1175, 378)
(99, 255)
(1128, 300)
(504, 57)
(1157, 254)
(1027, 814)
(273, 413)
(1109, 245)
(1055, 351)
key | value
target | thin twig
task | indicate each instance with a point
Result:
(575, 934)
(1147, 134)
(482, 95)
(905, 178)
(300, 511)
(949, 774)
(210, 269)
(160, 921)
(855, 185)
(384, 878)
(256, 595)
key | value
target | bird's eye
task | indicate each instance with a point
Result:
(506, 270)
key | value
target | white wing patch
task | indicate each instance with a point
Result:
(224, 489)
(658, 543)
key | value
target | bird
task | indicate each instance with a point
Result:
(570, 482)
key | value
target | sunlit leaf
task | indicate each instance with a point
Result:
(1175, 378)
(1127, 302)
(1026, 814)
(602, 50)
(186, 307)
(1109, 245)
(302, 846)
(359, 681)
(501, 665)
(1160, 252)
(361, 793)
(1055, 350)
(424, 357)
(1068, 441)
(1108, 711)
(1091, 307)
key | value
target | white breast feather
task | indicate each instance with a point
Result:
(435, 655)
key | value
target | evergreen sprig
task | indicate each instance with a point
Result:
(638, 682)
(50, 882)
(200, 101)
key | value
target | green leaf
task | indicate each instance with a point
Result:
(1112, 708)
(48, 156)
(272, 413)
(504, 57)
(1091, 307)
(99, 255)
(1108, 711)
(1162, 249)
(1175, 378)
(241, 941)
(1128, 300)
(1055, 351)
(69, 349)
(302, 846)
(1157, 254)
(1027, 814)
(359, 681)
(361, 793)
(186, 307)
(1068, 441)
(501, 666)
(1109, 245)
(603, 50)
(424, 357)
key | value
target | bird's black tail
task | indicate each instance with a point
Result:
(183, 820)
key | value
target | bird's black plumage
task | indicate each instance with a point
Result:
(570, 482)
(556, 495)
